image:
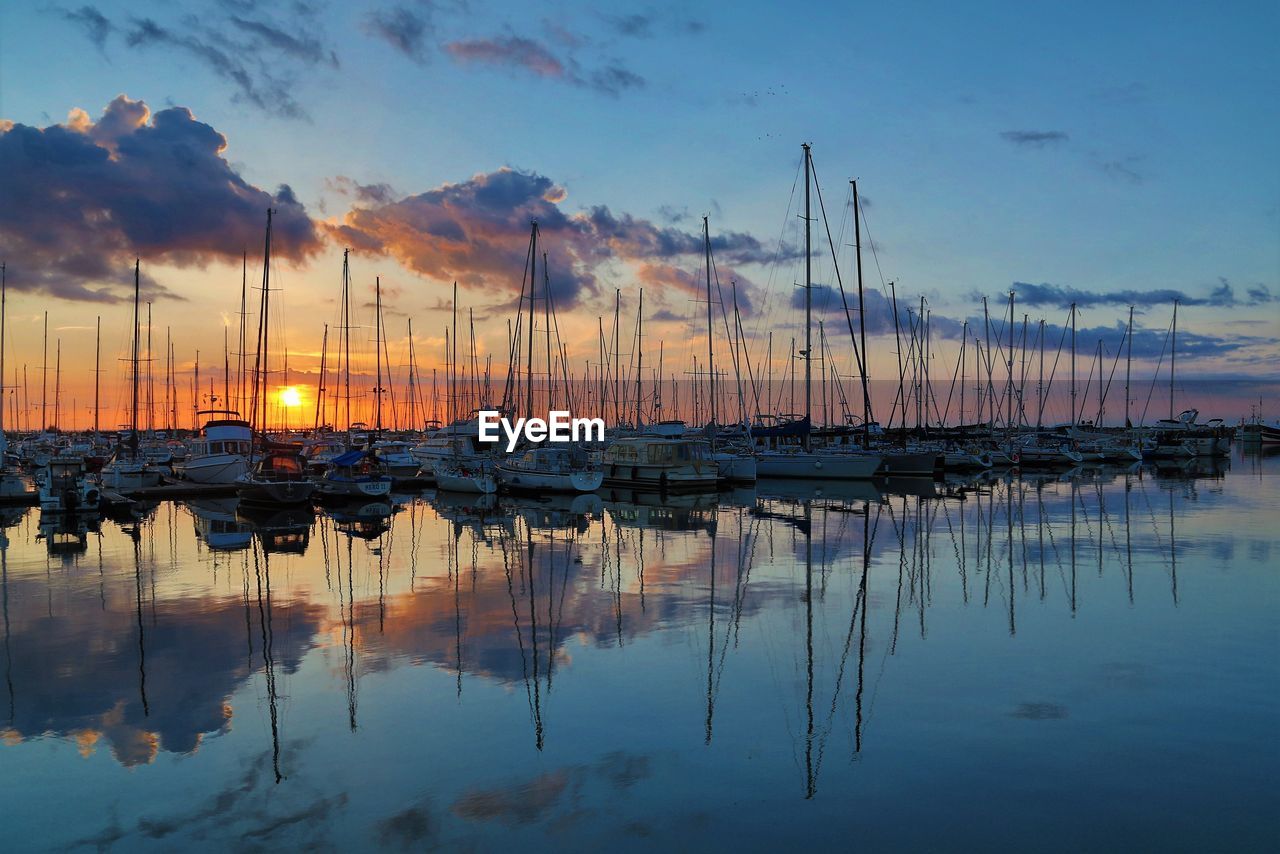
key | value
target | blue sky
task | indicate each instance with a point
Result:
(1082, 145)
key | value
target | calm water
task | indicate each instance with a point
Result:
(1051, 664)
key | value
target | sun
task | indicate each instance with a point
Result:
(289, 397)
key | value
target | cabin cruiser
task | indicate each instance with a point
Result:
(659, 462)
(549, 469)
(279, 477)
(1183, 437)
(67, 488)
(128, 472)
(355, 474)
(397, 458)
(461, 439)
(220, 454)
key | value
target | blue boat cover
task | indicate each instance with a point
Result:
(350, 458)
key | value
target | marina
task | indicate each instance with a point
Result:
(538, 670)
(705, 427)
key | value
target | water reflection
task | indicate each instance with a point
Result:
(790, 606)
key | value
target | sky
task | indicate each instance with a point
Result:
(1070, 153)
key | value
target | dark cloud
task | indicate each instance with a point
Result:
(299, 45)
(1034, 138)
(1222, 295)
(1125, 170)
(476, 232)
(646, 25)
(255, 82)
(635, 25)
(406, 29)
(84, 198)
(96, 26)
(260, 55)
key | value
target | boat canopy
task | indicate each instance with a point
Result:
(350, 458)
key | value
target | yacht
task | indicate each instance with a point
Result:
(279, 477)
(661, 462)
(549, 469)
(67, 488)
(220, 454)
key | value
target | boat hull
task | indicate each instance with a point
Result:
(218, 468)
(810, 466)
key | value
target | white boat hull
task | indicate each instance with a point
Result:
(813, 466)
(218, 468)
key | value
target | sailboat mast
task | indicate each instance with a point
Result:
(533, 278)
(57, 389)
(1128, 365)
(324, 358)
(1173, 356)
(133, 410)
(862, 322)
(346, 338)
(44, 377)
(808, 304)
(377, 353)
(1073, 364)
(711, 350)
(639, 353)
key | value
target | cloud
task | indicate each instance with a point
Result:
(256, 84)
(96, 26)
(1123, 170)
(261, 56)
(509, 51)
(524, 55)
(1034, 138)
(407, 30)
(646, 25)
(476, 232)
(1222, 295)
(86, 197)
(299, 45)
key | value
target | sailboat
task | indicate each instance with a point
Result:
(277, 476)
(455, 473)
(15, 487)
(127, 469)
(731, 466)
(784, 459)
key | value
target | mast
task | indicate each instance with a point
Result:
(1073, 364)
(44, 377)
(639, 353)
(862, 322)
(377, 356)
(617, 365)
(1173, 356)
(808, 305)
(133, 410)
(244, 285)
(346, 338)
(533, 278)
(1008, 415)
(324, 358)
(1128, 366)
(57, 388)
(711, 350)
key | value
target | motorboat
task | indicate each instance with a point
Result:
(355, 474)
(549, 469)
(660, 462)
(220, 454)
